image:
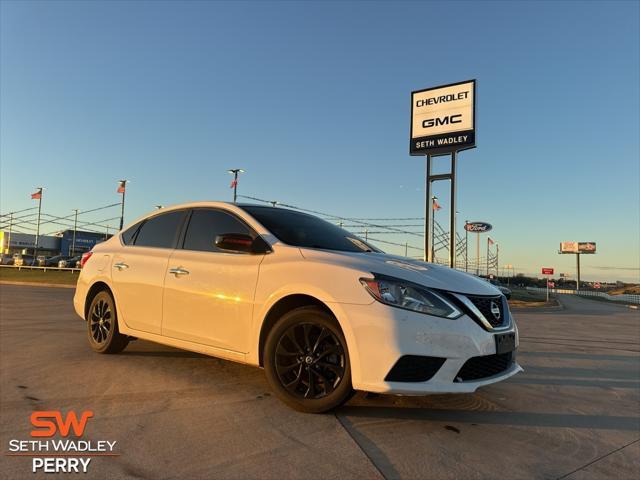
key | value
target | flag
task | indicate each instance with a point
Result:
(436, 205)
(122, 186)
(234, 184)
(489, 241)
(37, 195)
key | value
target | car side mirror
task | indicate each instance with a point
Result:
(241, 242)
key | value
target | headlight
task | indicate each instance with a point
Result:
(401, 294)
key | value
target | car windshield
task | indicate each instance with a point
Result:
(303, 230)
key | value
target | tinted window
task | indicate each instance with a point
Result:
(129, 233)
(206, 224)
(302, 230)
(160, 231)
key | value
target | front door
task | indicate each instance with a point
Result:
(209, 293)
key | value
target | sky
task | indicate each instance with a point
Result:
(312, 99)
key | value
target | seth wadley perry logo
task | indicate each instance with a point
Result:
(61, 455)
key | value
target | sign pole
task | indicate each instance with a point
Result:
(578, 269)
(547, 288)
(452, 220)
(428, 241)
(478, 253)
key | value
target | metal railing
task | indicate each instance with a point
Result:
(53, 269)
(625, 297)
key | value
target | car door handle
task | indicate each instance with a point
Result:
(120, 266)
(179, 271)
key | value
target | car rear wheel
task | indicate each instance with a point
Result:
(102, 325)
(306, 361)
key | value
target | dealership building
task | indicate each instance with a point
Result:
(58, 244)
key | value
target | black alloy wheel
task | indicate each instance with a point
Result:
(307, 362)
(102, 325)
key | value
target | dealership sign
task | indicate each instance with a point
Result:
(443, 118)
(477, 227)
(578, 247)
(547, 271)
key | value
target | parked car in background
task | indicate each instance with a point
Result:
(20, 260)
(55, 261)
(73, 262)
(323, 311)
(6, 259)
(496, 283)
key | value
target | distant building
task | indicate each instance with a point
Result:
(58, 244)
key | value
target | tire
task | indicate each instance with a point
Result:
(306, 361)
(102, 325)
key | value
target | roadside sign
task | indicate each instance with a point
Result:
(443, 118)
(551, 284)
(478, 227)
(597, 285)
(547, 271)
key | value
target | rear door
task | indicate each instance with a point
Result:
(138, 270)
(209, 297)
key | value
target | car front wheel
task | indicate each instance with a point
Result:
(306, 361)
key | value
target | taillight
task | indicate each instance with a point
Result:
(85, 258)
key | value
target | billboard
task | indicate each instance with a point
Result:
(568, 247)
(587, 247)
(578, 247)
(443, 118)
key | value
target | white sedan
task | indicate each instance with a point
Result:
(322, 311)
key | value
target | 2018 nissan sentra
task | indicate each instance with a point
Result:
(322, 311)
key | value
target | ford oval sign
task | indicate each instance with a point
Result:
(477, 227)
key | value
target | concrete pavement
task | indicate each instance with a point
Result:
(573, 414)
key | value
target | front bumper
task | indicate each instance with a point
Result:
(379, 335)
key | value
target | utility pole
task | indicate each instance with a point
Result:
(122, 188)
(75, 227)
(234, 182)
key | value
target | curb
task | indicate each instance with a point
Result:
(36, 284)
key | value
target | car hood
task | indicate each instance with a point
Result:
(416, 271)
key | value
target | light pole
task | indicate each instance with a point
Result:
(75, 227)
(234, 182)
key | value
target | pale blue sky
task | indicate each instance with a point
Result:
(312, 99)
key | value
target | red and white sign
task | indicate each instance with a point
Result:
(551, 284)
(547, 271)
(597, 285)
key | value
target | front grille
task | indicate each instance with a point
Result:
(484, 305)
(414, 368)
(482, 367)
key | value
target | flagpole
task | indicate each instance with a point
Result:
(234, 183)
(35, 251)
(123, 187)
(488, 239)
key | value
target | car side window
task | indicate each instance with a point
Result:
(206, 224)
(128, 235)
(160, 231)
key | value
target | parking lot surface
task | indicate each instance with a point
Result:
(574, 413)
